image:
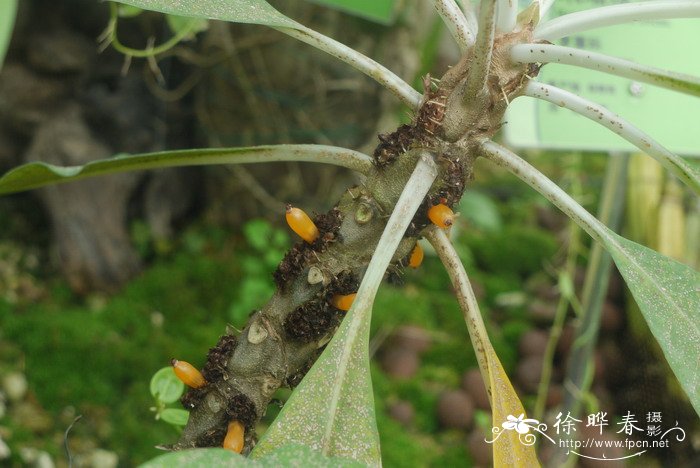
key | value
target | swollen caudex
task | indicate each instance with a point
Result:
(318, 277)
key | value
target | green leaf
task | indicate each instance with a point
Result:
(8, 8)
(37, 174)
(238, 11)
(299, 455)
(199, 458)
(260, 12)
(667, 292)
(175, 416)
(381, 11)
(668, 295)
(165, 386)
(289, 455)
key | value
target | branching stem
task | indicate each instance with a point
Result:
(550, 53)
(620, 126)
(411, 197)
(573, 23)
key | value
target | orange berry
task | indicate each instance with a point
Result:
(189, 374)
(416, 257)
(235, 439)
(441, 215)
(343, 301)
(301, 224)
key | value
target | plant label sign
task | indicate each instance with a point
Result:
(671, 118)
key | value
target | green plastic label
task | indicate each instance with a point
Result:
(380, 11)
(671, 118)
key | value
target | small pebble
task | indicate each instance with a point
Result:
(455, 410)
(481, 452)
(529, 373)
(533, 343)
(402, 411)
(400, 362)
(412, 337)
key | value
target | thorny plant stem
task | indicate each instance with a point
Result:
(456, 23)
(411, 197)
(465, 296)
(620, 126)
(360, 62)
(616, 14)
(507, 13)
(475, 82)
(550, 53)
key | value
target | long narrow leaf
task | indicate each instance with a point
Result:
(667, 292)
(260, 12)
(38, 174)
(332, 410)
(508, 448)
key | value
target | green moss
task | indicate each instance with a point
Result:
(519, 250)
(402, 448)
(85, 359)
(454, 454)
